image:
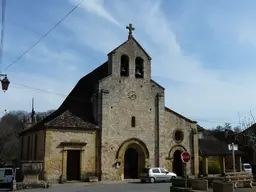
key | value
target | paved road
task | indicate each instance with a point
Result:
(122, 187)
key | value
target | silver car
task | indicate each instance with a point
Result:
(156, 174)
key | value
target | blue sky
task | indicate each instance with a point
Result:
(203, 52)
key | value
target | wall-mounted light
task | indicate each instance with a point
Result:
(117, 164)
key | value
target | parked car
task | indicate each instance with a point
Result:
(156, 174)
(247, 167)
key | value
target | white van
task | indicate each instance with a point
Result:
(247, 167)
(6, 175)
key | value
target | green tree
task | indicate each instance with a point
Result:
(10, 126)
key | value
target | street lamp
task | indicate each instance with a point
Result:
(5, 82)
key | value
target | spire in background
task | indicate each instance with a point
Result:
(33, 112)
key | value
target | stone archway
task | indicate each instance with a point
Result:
(176, 164)
(133, 157)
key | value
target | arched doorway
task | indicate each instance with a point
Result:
(133, 156)
(131, 164)
(177, 163)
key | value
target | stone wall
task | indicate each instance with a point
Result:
(129, 97)
(55, 159)
(118, 108)
(169, 145)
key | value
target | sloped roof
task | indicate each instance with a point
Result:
(211, 146)
(250, 130)
(132, 38)
(68, 119)
(179, 115)
(77, 105)
(199, 128)
(77, 111)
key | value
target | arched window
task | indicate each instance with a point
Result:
(139, 67)
(124, 67)
(133, 121)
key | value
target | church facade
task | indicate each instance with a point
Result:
(113, 124)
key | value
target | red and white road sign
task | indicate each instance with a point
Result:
(185, 157)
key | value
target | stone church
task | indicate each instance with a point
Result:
(113, 124)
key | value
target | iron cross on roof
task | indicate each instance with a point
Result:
(130, 28)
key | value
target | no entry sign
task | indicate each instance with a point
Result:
(185, 157)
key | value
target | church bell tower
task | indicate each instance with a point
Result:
(130, 60)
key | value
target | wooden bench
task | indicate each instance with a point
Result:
(239, 178)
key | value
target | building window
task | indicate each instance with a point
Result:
(178, 136)
(133, 121)
(139, 67)
(124, 67)
(155, 171)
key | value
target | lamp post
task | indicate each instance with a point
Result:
(233, 147)
(5, 82)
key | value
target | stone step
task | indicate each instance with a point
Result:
(93, 179)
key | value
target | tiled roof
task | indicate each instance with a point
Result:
(211, 146)
(77, 103)
(68, 119)
(77, 109)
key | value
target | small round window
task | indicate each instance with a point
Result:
(178, 136)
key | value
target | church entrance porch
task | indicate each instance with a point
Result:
(73, 165)
(132, 155)
(178, 165)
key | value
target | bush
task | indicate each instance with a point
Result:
(214, 168)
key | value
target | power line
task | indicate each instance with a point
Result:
(47, 33)
(37, 89)
(2, 34)
(212, 121)
(83, 100)
(48, 92)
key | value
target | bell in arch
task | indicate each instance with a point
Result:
(123, 69)
(138, 72)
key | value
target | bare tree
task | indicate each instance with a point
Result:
(247, 136)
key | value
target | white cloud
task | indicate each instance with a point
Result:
(97, 7)
(45, 55)
(201, 93)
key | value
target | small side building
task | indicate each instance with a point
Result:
(213, 149)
